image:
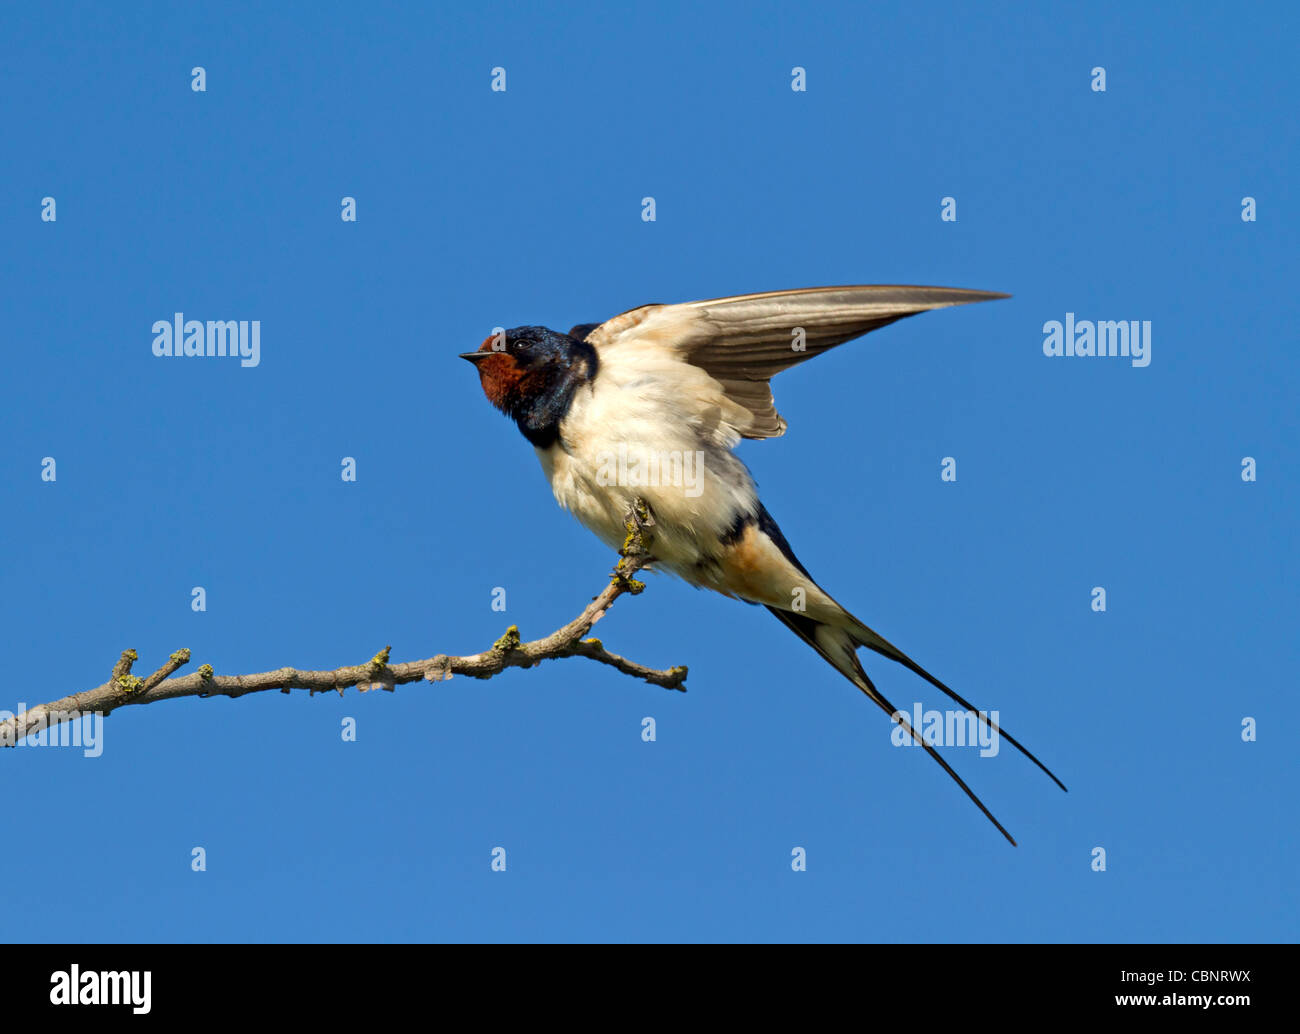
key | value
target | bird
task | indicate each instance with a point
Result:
(649, 405)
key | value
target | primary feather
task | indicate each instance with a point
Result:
(746, 340)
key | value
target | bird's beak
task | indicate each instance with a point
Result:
(475, 357)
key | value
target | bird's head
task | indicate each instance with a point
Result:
(530, 374)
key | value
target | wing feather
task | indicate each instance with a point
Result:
(746, 340)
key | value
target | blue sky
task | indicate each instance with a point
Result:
(478, 208)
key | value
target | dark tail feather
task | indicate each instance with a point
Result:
(866, 637)
(844, 659)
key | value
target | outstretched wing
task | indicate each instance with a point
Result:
(743, 342)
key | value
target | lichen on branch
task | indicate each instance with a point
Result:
(123, 689)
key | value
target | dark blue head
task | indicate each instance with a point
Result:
(530, 374)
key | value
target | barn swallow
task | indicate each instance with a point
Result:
(651, 403)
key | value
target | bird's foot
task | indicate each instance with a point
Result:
(635, 553)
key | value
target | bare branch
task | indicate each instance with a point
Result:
(124, 689)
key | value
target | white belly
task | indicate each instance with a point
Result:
(628, 437)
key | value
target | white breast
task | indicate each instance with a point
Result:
(651, 426)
